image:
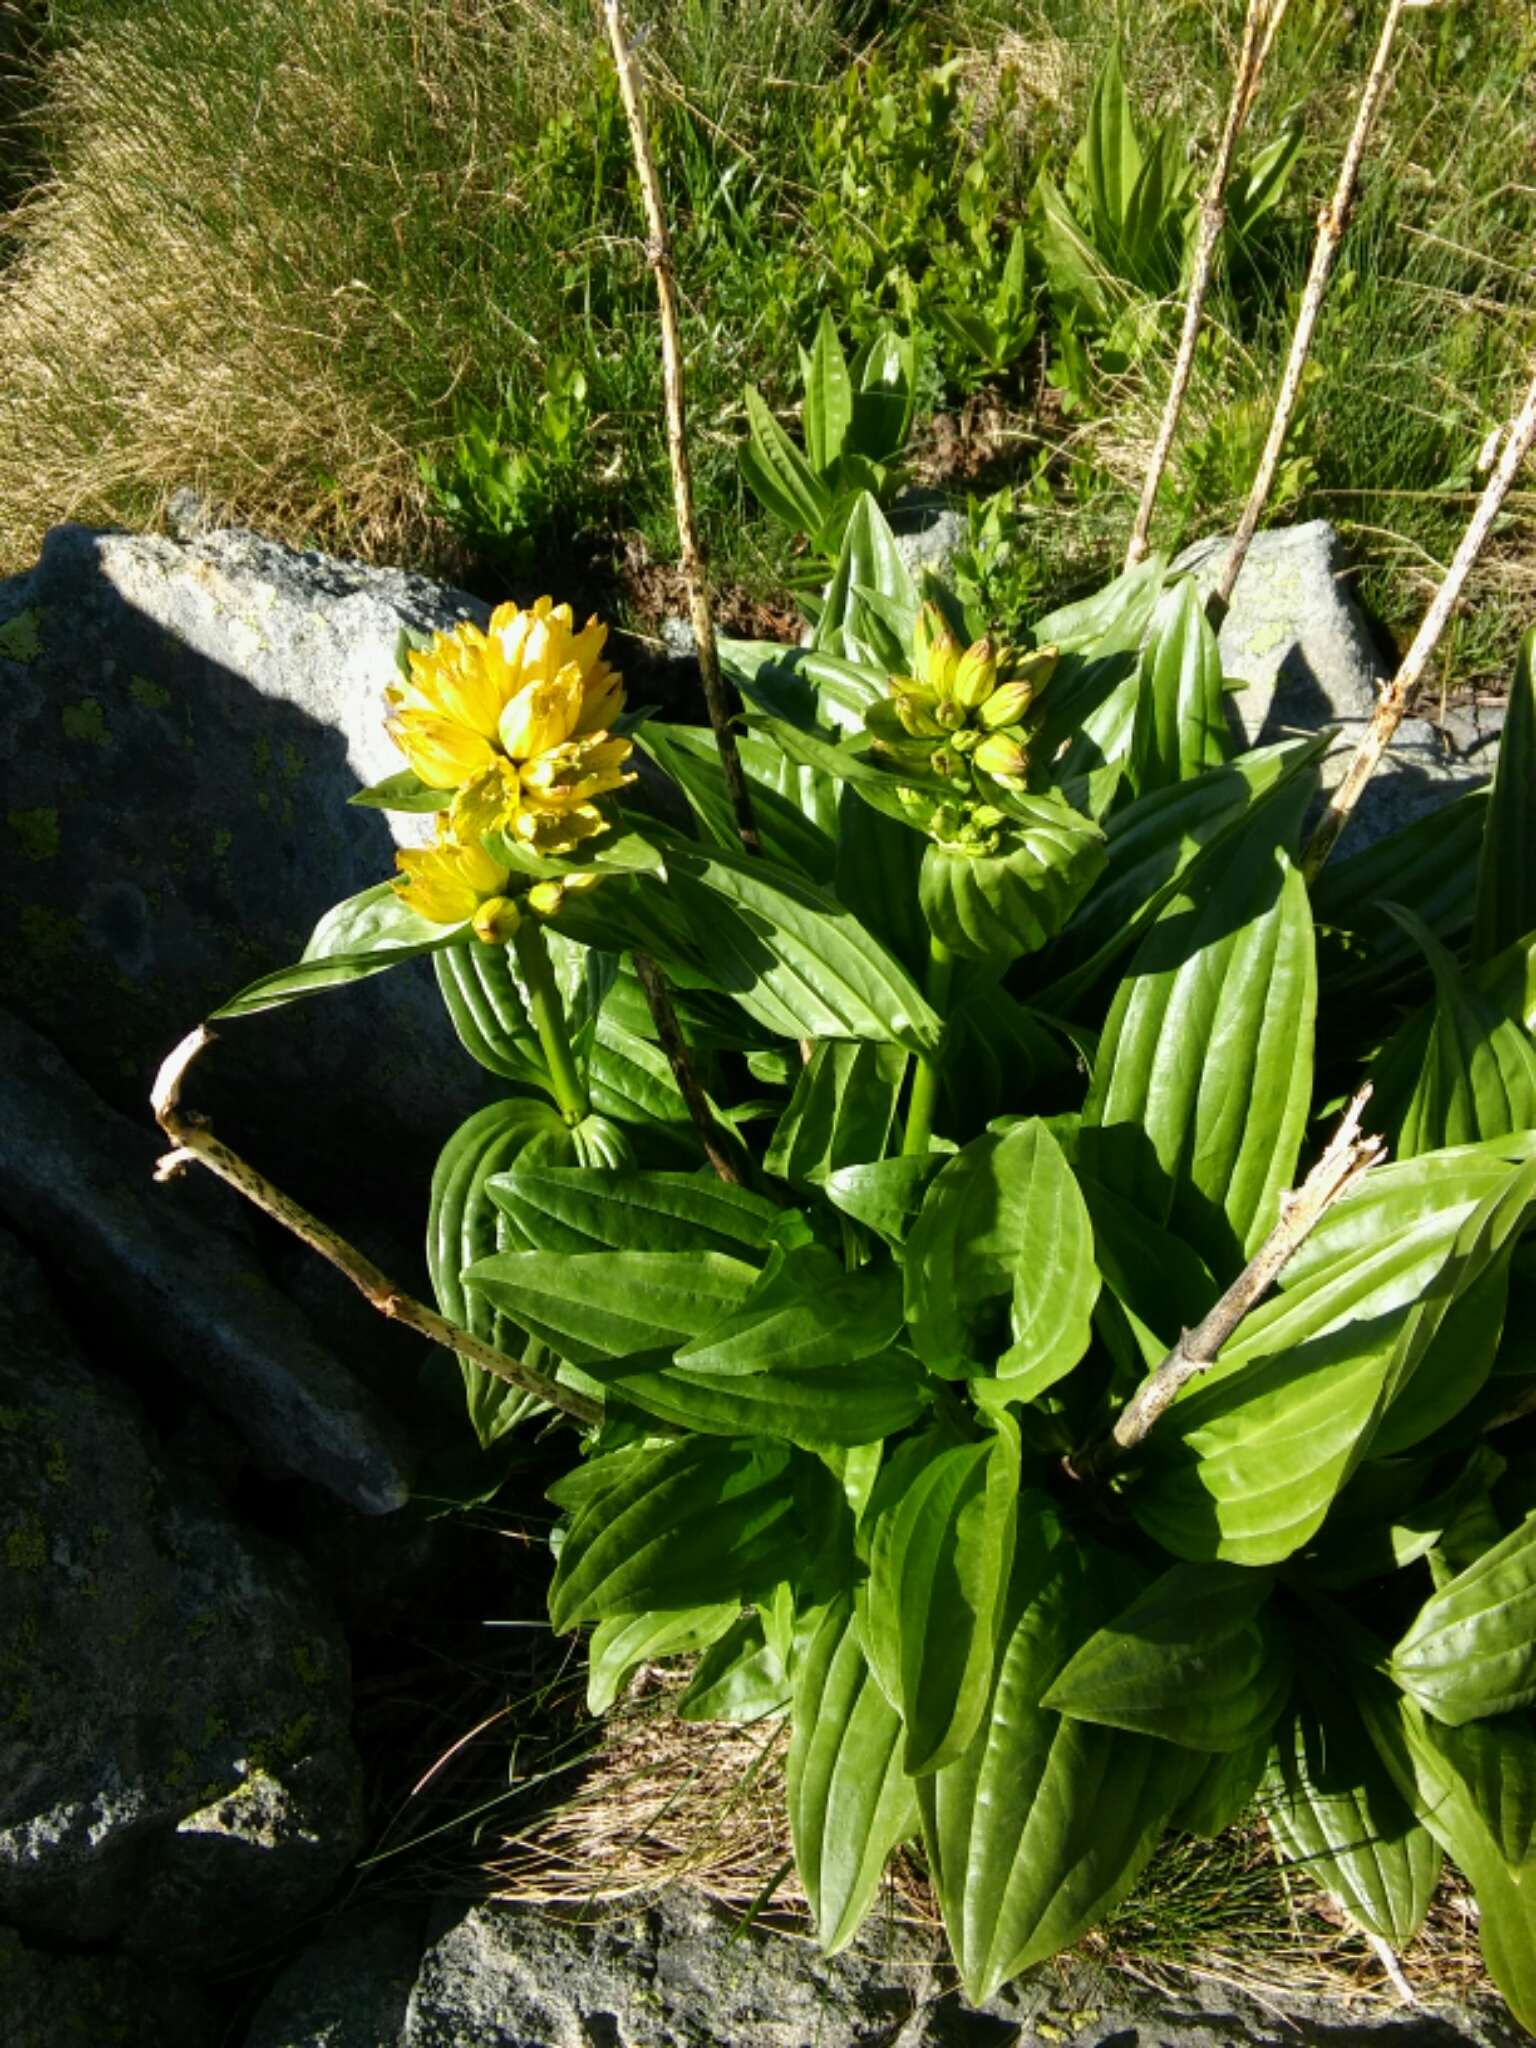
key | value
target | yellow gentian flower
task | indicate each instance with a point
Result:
(452, 884)
(516, 720)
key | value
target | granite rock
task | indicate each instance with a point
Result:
(176, 1765)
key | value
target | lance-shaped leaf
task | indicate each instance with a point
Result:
(1471, 1650)
(828, 396)
(850, 1801)
(612, 1304)
(802, 686)
(1495, 1759)
(464, 1225)
(806, 1311)
(1467, 1071)
(364, 935)
(580, 1209)
(1430, 863)
(885, 1195)
(869, 560)
(1204, 1075)
(1223, 1792)
(1197, 1659)
(995, 907)
(686, 1524)
(998, 1268)
(485, 1004)
(1333, 1809)
(1044, 1823)
(841, 1111)
(792, 956)
(778, 474)
(1505, 909)
(939, 1533)
(740, 1677)
(621, 1645)
(1505, 1890)
(861, 1403)
(1181, 721)
(793, 807)
(402, 792)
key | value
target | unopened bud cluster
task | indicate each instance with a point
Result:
(967, 715)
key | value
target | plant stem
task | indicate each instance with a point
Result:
(1331, 223)
(1396, 698)
(1343, 1160)
(194, 1139)
(548, 1014)
(712, 1137)
(1258, 35)
(658, 251)
(925, 1081)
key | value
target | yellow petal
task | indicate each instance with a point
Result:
(488, 803)
(542, 715)
(442, 752)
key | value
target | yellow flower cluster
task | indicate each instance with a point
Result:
(515, 722)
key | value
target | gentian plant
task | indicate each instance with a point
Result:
(979, 1344)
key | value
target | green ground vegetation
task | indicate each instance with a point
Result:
(373, 276)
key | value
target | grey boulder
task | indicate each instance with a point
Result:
(78, 2001)
(1299, 640)
(176, 1767)
(177, 1273)
(181, 724)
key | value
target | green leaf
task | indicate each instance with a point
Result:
(485, 1003)
(885, 372)
(1476, 1073)
(850, 1802)
(828, 397)
(463, 1225)
(778, 474)
(792, 956)
(1247, 1462)
(861, 1403)
(1505, 1890)
(1109, 154)
(805, 1312)
(1181, 721)
(739, 1677)
(939, 1534)
(575, 1209)
(1471, 1650)
(630, 1078)
(1223, 1792)
(1334, 1810)
(1506, 876)
(622, 1644)
(995, 907)
(886, 1195)
(1044, 1823)
(1495, 1759)
(1196, 1659)
(801, 686)
(364, 935)
(611, 1304)
(1003, 1199)
(1112, 620)
(1203, 1082)
(841, 1112)
(869, 560)
(685, 1524)
(795, 828)
(1430, 863)
(1167, 838)
(403, 792)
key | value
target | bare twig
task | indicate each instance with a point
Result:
(1398, 695)
(1262, 20)
(1345, 1158)
(194, 1140)
(711, 1136)
(1331, 223)
(659, 256)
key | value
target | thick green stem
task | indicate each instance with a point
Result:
(925, 1081)
(548, 1014)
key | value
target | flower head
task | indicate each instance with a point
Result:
(515, 720)
(453, 884)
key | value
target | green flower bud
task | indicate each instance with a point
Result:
(1000, 755)
(917, 718)
(950, 715)
(1007, 705)
(975, 675)
(1036, 667)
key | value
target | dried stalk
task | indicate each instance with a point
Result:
(1331, 223)
(710, 1133)
(194, 1140)
(1260, 24)
(1398, 695)
(1346, 1157)
(659, 255)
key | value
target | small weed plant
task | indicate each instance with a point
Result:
(1013, 1040)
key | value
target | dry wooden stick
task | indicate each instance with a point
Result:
(711, 1136)
(1331, 223)
(194, 1140)
(1398, 695)
(1345, 1158)
(659, 255)
(1259, 26)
